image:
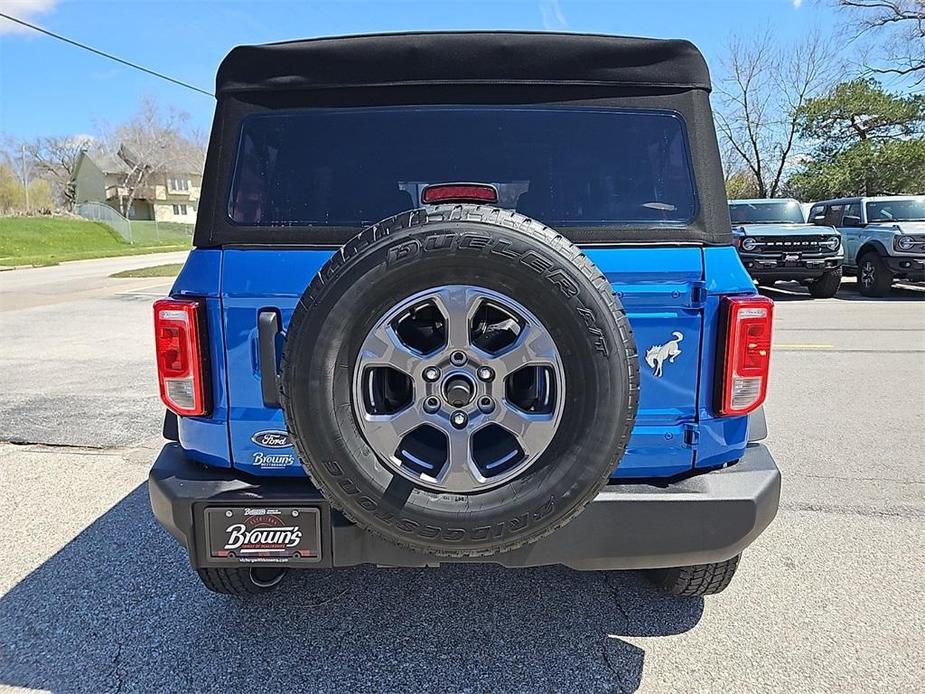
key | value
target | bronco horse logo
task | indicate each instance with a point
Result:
(657, 354)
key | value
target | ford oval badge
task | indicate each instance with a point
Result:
(271, 438)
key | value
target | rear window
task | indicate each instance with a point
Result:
(563, 166)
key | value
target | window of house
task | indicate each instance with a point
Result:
(179, 210)
(179, 184)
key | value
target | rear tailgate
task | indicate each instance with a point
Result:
(662, 289)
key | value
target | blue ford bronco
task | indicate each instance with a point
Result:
(464, 297)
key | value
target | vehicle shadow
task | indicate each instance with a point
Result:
(794, 291)
(118, 608)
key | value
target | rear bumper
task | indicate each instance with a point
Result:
(705, 518)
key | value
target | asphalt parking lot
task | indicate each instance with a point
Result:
(94, 596)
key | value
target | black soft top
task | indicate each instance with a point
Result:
(502, 68)
(477, 57)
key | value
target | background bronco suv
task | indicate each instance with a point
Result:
(464, 297)
(884, 238)
(775, 244)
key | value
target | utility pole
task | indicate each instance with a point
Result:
(25, 178)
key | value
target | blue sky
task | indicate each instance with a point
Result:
(47, 87)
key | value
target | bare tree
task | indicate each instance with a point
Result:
(760, 90)
(55, 159)
(899, 27)
(152, 143)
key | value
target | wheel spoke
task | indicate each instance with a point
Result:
(459, 473)
(383, 348)
(532, 431)
(456, 304)
(533, 347)
(384, 432)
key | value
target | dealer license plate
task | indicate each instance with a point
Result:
(264, 535)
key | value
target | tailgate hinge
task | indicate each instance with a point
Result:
(698, 294)
(691, 435)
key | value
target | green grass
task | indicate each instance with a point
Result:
(50, 240)
(168, 270)
(161, 233)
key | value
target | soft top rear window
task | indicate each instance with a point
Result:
(567, 167)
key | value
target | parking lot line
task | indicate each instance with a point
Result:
(796, 347)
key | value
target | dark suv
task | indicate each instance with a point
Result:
(775, 244)
(464, 297)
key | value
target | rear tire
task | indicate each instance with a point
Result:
(826, 286)
(697, 580)
(874, 277)
(242, 582)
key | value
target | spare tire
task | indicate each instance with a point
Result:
(460, 380)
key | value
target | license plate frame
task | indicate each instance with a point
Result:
(265, 534)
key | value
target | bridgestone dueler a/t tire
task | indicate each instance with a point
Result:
(464, 245)
(700, 579)
(241, 582)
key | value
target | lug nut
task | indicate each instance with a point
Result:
(458, 358)
(431, 405)
(486, 405)
(459, 419)
(431, 374)
(485, 373)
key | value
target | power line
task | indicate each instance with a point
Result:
(105, 55)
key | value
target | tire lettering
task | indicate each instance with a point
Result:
(438, 241)
(474, 242)
(454, 534)
(403, 252)
(536, 262)
(545, 509)
(568, 288)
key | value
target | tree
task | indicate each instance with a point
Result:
(12, 197)
(899, 28)
(740, 185)
(13, 194)
(867, 142)
(152, 143)
(761, 90)
(55, 159)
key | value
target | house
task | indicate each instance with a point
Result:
(164, 196)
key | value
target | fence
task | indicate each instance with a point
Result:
(139, 233)
(98, 212)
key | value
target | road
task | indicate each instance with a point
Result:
(75, 358)
(96, 597)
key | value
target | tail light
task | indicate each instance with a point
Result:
(178, 344)
(745, 354)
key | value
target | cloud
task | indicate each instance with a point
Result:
(22, 9)
(553, 17)
(797, 4)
